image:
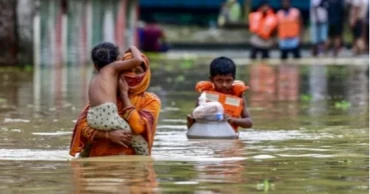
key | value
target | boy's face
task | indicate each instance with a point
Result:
(223, 83)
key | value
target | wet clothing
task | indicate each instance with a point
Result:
(360, 14)
(357, 30)
(319, 33)
(142, 118)
(335, 29)
(289, 43)
(262, 26)
(237, 90)
(265, 52)
(105, 118)
(289, 23)
(289, 30)
(335, 17)
(260, 45)
(318, 11)
(262, 23)
(319, 21)
(295, 51)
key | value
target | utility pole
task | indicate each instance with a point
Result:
(36, 34)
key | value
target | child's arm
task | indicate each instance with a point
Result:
(189, 117)
(135, 61)
(245, 121)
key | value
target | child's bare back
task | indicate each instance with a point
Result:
(103, 86)
(103, 111)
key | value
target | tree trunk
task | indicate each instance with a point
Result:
(8, 32)
(25, 11)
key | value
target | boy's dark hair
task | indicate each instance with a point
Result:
(104, 54)
(222, 66)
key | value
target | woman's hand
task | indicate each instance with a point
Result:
(122, 85)
(120, 137)
(123, 92)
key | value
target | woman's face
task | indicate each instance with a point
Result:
(134, 76)
(137, 70)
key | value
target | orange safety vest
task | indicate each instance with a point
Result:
(262, 26)
(232, 103)
(288, 25)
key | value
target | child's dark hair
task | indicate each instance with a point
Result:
(222, 66)
(104, 54)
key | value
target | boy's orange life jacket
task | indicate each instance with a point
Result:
(232, 103)
(289, 24)
(262, 26)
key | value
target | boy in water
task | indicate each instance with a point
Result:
(222, 82)
(103, 113)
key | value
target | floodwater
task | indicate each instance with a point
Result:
(310, 133)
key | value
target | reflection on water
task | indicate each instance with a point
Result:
(357, 93)
(318, 90)
(288, 83)
(310, 134)
(262, 82)
(123, 177)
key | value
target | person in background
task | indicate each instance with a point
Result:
(154, 39)
(356, 21)
(222, 16)
(234, 10)
(290, 30)
(230, 12)
(262, 25)
(335, 21)
(319, 25)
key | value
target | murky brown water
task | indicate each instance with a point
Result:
(310, 134)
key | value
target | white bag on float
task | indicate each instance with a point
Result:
(208, 109)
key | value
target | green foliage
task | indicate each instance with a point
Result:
(305, 97)
(344, 105)
(2, 100)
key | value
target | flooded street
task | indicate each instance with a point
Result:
(310, 133)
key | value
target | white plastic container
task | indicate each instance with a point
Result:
(206, 129)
